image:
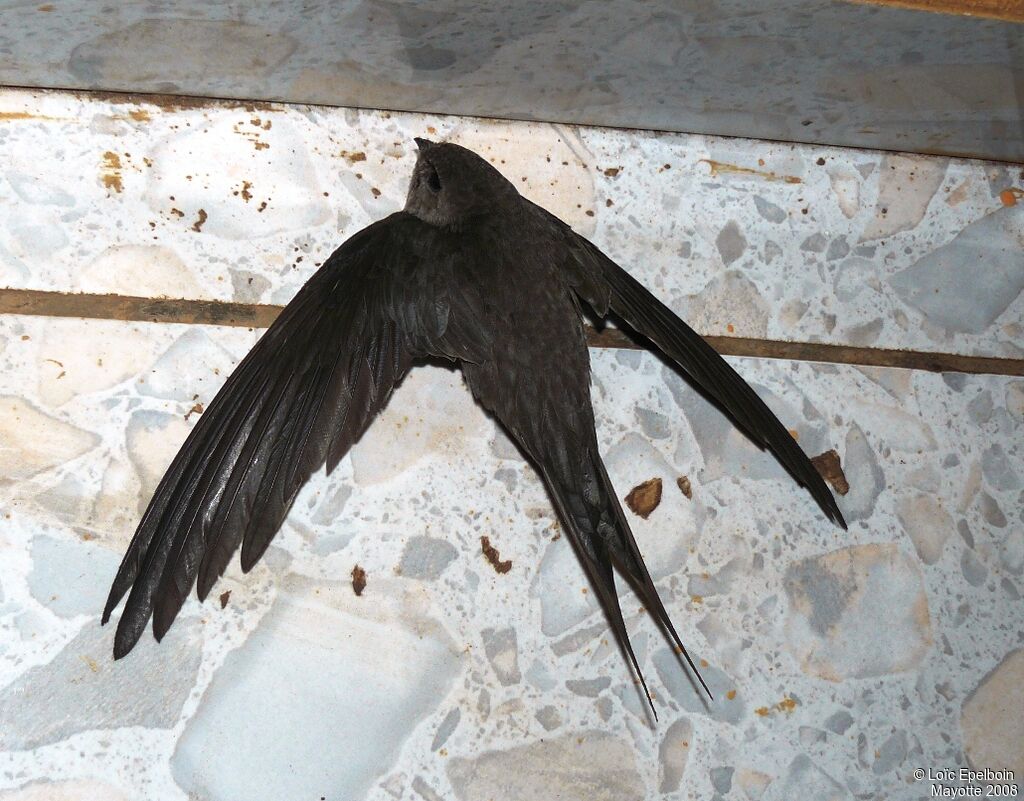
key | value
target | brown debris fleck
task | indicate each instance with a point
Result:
(644, 498)
(683, 482)
(351, 157)
(492, 555)
(246, 194)
(197, 408)
(358, 580)
(112, 178)
(611, 172)
(828, 466)
(720, 167)
(139, 115)
(224, 598)
(198, 224)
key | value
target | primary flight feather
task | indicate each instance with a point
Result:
(470, 272)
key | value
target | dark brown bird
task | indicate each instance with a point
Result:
(469, 272)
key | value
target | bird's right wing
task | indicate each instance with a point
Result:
(301, 397)
(604, 285)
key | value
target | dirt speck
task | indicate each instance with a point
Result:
(246, 194)
(828, 466)
(224, 598)
(375, 191)
(644, 498)
(197, 226)
(197, 408)
(683, 482)
(352, 157)
(177, 212)
(492, 556)
(112, 175)
(611, 172)
(358, 580)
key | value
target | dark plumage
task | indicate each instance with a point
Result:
(469, 272)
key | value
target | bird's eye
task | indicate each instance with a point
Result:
(433, 182)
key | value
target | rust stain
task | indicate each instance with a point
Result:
(260, 145)
(25, 115)
(723, 168)
(91, 664)
(358, 580)
(492, 556)
(139, 115)
(46, 7)
(112, 178)
(829, 468)
(731, 694)
(644, 498)
(197, 408)
(1009, 197)
(683, 482)
(197, 226)
(1007, 10)
(786, 705)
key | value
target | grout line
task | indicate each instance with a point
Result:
(250, 315)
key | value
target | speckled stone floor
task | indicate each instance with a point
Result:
(841, 662)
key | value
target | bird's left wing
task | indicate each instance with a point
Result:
(605, 286)
(299, 399)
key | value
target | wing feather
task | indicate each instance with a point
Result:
(604, 285)
(301, 398)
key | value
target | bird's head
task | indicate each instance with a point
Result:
(451, 185)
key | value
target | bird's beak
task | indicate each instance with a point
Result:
(423, 144)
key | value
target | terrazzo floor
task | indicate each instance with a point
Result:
(841, 662)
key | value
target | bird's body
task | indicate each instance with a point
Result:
(469, 272)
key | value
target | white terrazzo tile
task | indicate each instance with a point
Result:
(742, 237)
(819, 691)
